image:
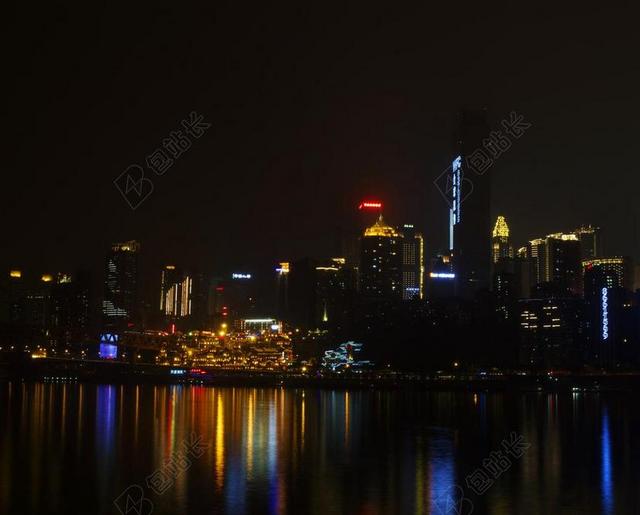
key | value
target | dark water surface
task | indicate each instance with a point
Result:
(74, 449)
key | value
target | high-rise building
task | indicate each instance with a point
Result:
(612, 327)
(609, 308)
(412, 263)
(176, 294)
(550, 332)
(120, 303)
(555, 261)
(590, 241)
(282, 290)
(611, 272)
(169, 278)
(334, 288)
(469, 216)
(441, 279)
(380, 270)
(500, 244)
(562, 263)
(70, 313)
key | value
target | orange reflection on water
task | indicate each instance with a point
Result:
(219, 441)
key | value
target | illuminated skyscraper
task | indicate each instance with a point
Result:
(555, 262)
(613, 272)
(176, 293)
(501, 246)
(469, 217)
(611, 326)
(120, 302)
(380, 262)
(168, 293)
(412, 263)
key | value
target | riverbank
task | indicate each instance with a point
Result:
(69, 370)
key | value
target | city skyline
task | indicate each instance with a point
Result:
(374, 135)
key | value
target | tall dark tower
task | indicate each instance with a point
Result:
(120, 303)
(470, 214)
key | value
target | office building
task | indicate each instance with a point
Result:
(555, 262)
(590, 241)
(551, 333)
(412, 263)
(501, 247)
(469, 215)
(120, 303)
(380, 271)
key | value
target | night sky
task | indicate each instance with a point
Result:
(312, 109)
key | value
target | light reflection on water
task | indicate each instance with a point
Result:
(72, 448)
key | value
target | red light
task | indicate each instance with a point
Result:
(219, 288)
(173, 328)
(370, 204)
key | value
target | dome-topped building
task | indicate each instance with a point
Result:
(381, 261)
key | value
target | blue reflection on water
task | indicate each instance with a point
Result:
(105, 417)
(606, 481)
(105, 433)
(442, 471)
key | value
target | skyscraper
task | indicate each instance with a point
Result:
(120, 303)
(380, 262)
(176, 294)
(555, 261)
(469, 217)
(562, 263)
(334, 288)
(612, 329)
(412, 263)
(168, 292)
(590, 241)
(501, 246)
(612, 272)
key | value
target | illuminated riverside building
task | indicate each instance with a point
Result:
(441, 277)
(505, 279)
(169, 298)
(551, 333)
(612, 272)
(611, 311)
(183, 299)
(282, 289)
(501, 247)
(229, 299)
(412, 263)
(470, 201)
(380, 271)
(555, 263)
(120, 303)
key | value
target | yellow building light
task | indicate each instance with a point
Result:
(46, 278)
(16, 274)
(380, 230)
(501, 229)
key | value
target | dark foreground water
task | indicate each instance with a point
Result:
(72, 448)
